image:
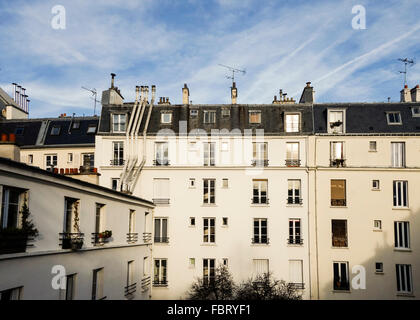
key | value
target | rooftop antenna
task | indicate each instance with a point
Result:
(233, 70)
(406, 62)
(94, 94)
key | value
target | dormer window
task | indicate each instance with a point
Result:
(415, 111)
(393, 118)
(55, 131)
(194, 113)
(254, 116)
(19, 130)
(225, 113)
(292, 122)
(75, 125)
(166, 117)
(336, 121)
(119, 122)
(91, 129)
(209, 116)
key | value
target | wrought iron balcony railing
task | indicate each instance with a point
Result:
(338, 163)
(160, 283)
(130, 289)
(147, 237)
(14, 242)
(161, 201)
(297, 285)
(162, 239)
(260, 240)
(132, 237)
(117, 162)
(262, 200)
(259, 162)
(99, 239)
(294, 200)
(161, 162)
(145, 283)
(292, 162)
(295, 240)
(72, 241)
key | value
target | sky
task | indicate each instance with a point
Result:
(280, 44)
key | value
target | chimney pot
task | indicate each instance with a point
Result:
(112, 79)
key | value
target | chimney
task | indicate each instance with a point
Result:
(185, 94)
(137, 93)
(234, 93)
(405, 94)
(153, 93)
(308, 94)
(415, 94)
(112, 79)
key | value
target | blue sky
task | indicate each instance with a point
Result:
(281, 44)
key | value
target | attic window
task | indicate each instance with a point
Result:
(91, 129)
(225, 113)
(19, 130)
(166, 117)
(193, 113)
(336, 121)
(55, 131)
(75, 125)
(415, 111)
(393, 117)
(254, 116)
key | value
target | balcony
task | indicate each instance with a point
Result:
(132, 237)
(145, 283)
(259, 163)
(72, 241)
(257, 200)
(338, 163)
(292, 162)
(147, 237)
(339, 242)
(161, 201)
(295, 241)
(101, 238)
(13, 242)
(260, 240)
(130, 289)
(161, 239)
(338, 202)
(300, 286)
(294, 200)
(161, 162)
(160, 283)
(117, 162)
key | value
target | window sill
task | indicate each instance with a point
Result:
(406, 295)
(402, 250)
(341, 291)
(400, 208)
(209, 245)
(264, 205)
(209, 205)
(260, 244)
(295, 245)
(375, 230)
(335, 207)
(376, 189)
(379, 273)
(335, 248)
(294, 205)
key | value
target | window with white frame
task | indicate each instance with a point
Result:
(254, 116)
(398, 154)
(50, 161)
(339, 233)
(260, 153)
(11, 294)
(209, 230)
(132, 222)
(394, 118)
(225, 112)
(402, 234)
(161, 154)
(161, 191)
(341, 276)
(161, 230)
(98, 284)
(130, 276)
(336, 121)
(337, 154)
(99, 220)
(293, 192)
(400, 191)
(191, 183)
(259, 191)
(71, 206)
(12, 201)
(209, 153)
(166, 117)
(260, 231)
(118, 153)
(375, 185)
(295, 232)
(260, 267)
(119, 122)
(292, 154)
(209, 271)
(225, 183)
(292, 122)
(160, 277)
(70, 157)
(404, 278)
(372, 146)
(192, 222)
(209, 116)
(415, 111)
(209, 195)
(296, 273)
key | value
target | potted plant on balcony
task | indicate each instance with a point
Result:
(77, 241)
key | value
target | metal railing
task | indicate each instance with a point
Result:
(130, 289)
(98, 239)
(294, 200)
(161, 201)
(256, 200)
(259, 163)
(338, 163)
(147, 236)
(339, 241)
(160, 283)
(132, 237)
(161, 239)
(338, 202)
(117, 162)
(295, 240)
(260, 240)
(70, 240)
(161, 162)
(292, 162)
(145, 283)
(297, 285)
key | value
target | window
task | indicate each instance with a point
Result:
(259, 193)
(225, 183)
(337, 154)
(341, 276)
(161, 153)
(70, 287)
(91, 129)
(132, 222)
(415, 111)
(193, 113)
(260, 153)
(10, 208)
(114, 183)
(131, 284)
(293, 192)
(30, 159)
(209, 152)
(165, 117)
(99, 218)
(292, 154)
(393, 118)
(70, 226)
(209, 230)
(69, 157)
(146, 265)
(225, 262)
(11, 294)
(192, 262)
(50, 162)
(55, 130)
(296, 273)
(209, 116)
(375, 184)
(192, 183)
(118, 122)
(118, 156)
(260, 267)
(160, 277)
(339, 233)
(338, 193)
(225, 221)
(377, 225)
(260, 231)
(294, 232)
(404, 278)
(398, 154)
(372, 146)
(402, 234)
(161, 191)
(76, 125)
(88, 160)
(379, 267)
(19, 131)
(208, 271)
(209, 196)
(98, 284)
(225, 113)
(400, 190)
(254, 116)
(292, 122)
(192, 222)
(161, 230)
(335, 121)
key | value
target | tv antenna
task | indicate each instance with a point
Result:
(406, 62)
(233, 70)
(94, 94)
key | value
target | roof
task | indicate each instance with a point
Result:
(20, 165)
(37, 132)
